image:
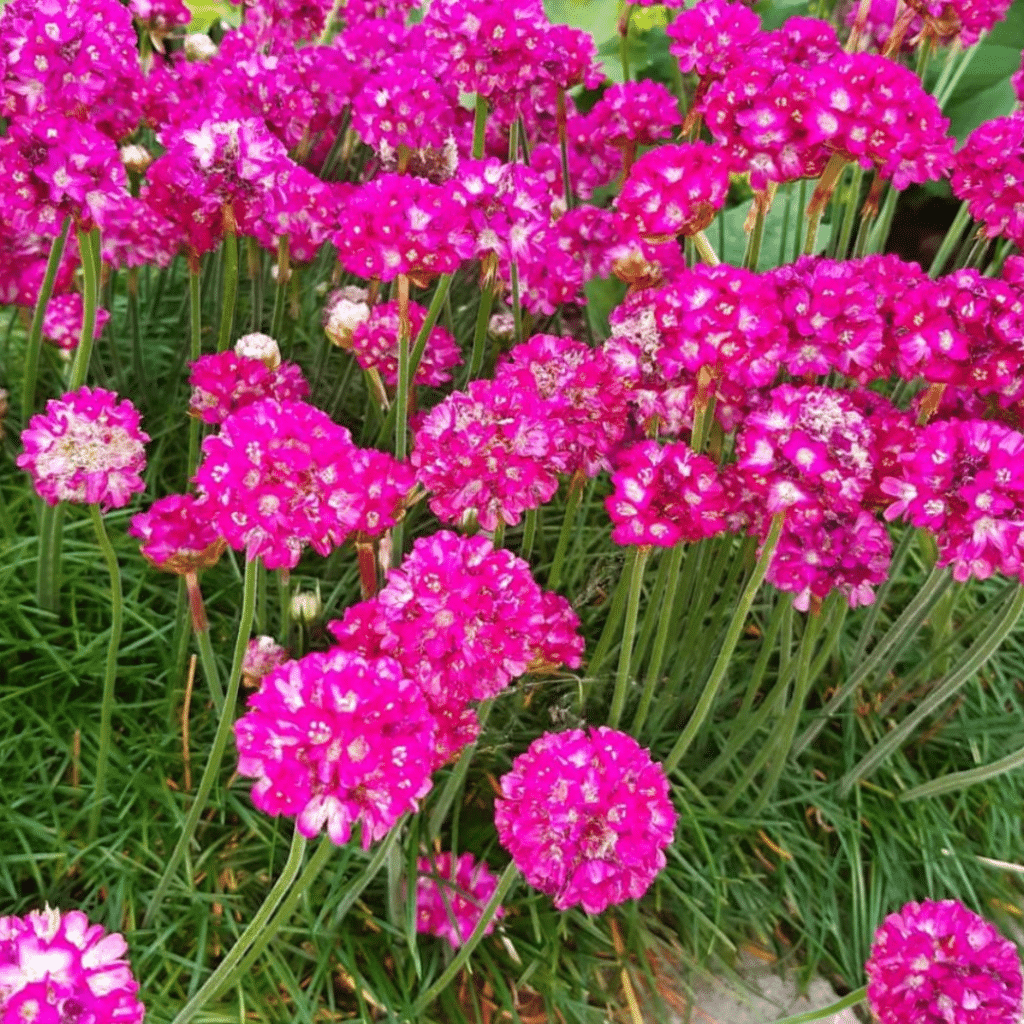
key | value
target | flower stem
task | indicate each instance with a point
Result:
(479, 127)
(505, 883)
(110, 672)
(665, 617)
(820, 198)
(636, 580)
(227, 310)
(226, 967)
(210, 668)
(483, 316)
(35, 334)
(721, 666)
(705, 250)
(950, 241)
(89, 248)
(195, 351)
(281, 291)
(572, 507)
(220, 740)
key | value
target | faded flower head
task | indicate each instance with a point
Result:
(940, 963)
(59, 969)
(586, 817)
(86, 448)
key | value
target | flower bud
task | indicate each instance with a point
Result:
(305, 607)
(199, 46)
(262, 656)
(344, 311)
(261, 347)
(136, 158)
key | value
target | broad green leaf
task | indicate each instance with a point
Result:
(771, 242)
(204, 12)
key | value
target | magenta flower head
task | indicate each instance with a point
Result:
(57, 968)
(675, 190)
(450, 896)
(586, 817)
(86, 448)
(940, 963)
(337, 738)
(178, 534)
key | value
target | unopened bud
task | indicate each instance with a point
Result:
(261, 347)
(344, 311)
(136, 158)
(199, 46)
(502, 327)
(305, 607)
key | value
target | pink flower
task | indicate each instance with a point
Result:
(374, 343)
(665, 495)
(262, 656)
(711, 37)
(940, 963)
(675, 190)
(273, 475)
(57, 968)
(988, 174)
(223, 383)
(586, 817)
(178, 534)
(641, 113)
(334, 739)
(451, 894)
(489, 451)
(62, 324)
(464, 621)
(87, 448)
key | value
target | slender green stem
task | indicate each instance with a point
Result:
(35, 334)
(195, 351)
(705, 250)
(958, 781)
(674, 562)
(309, 874)
(753, 252)
(615, 613)
(899, 634)
(210, 670)
(479, 127)
(110, 672)
(949, 86)
(627, 17)
(281, 289)
(441, 806)
(978, 654)
(732, 636)
(842, 242)
(867, 629)
(636, 581)
(483, 316)
(257, 926)
(89, 248)
(404, 380)
(826, 1012)
(565, 534)
(227, 309)
(220, 740)
(505, 883)
(529, 533)
(880, 231)
(783, 739)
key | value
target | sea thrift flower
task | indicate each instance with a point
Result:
(675, 190)
(580, 389)
(86, 448)
(634, 113)
(964, 481)
(259, 346)
(224, 382)
(334, 739)
(988, 174)
(711, 37)
(273, 475)
(62, 324)
(808, 449)
(876, 112)
(489, 452)
(463, 620)
(374, 343)
(586, 817)
(57, 968)
(451, 894)
(178, 534)
(397, 224)
(937, 962)
(664, 495)
(724, 320)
